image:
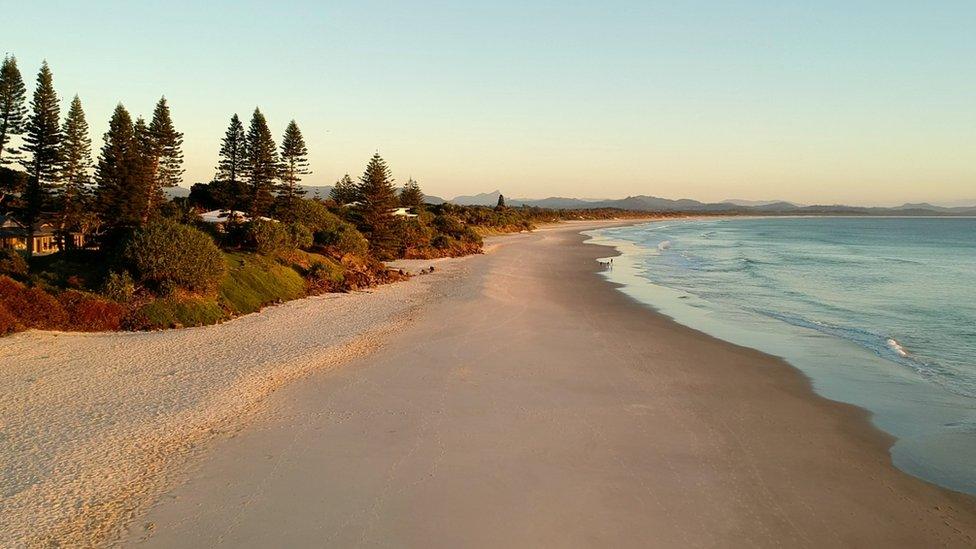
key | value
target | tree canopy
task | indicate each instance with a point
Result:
(411, 196)
(13, 109)
(262, 164)
(233, 153)
(377, 200)
(294, 165)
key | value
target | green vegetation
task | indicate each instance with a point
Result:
(166, 256)
(127, 257)
(253, 281)
(173, 312)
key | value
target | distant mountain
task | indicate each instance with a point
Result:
(756, 203)
(554, 202)
(658, 204)
(483, 199)
(176, 192)
(317, 191)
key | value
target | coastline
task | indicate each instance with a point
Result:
(537, 404)
(923, 417)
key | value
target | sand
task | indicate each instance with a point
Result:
(510, 399)
(92, 425)
(531, 404)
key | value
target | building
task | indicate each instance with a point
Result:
(14, 237)
(403, 212)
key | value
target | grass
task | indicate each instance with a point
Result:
(253, 281)
(171, 312)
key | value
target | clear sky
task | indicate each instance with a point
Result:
(828, 101)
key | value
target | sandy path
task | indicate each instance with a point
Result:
(91, 425)
(537, 406)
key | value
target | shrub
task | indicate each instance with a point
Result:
(301, 236)
(325, 276)
(414, 234)
(314, 215)
(8, 322)
(12, 264)
(119, 286)
(449, 225)
(90, 313)
(343, 239)
(32, 307)
(166, 255)
(266, 237)
(441, 242)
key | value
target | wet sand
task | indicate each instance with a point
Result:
(529, 403)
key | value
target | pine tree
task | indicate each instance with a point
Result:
(501, 202)
(13, 112)
(294, 164)
(120, 192)
(377, 200)
(75, 168)
(164, 154)
(262, 164)
(345, 191)
(41, 144)
(144, 168)
(233, 158)
(411, 196)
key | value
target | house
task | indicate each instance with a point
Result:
(13, 236)
(403, 212)
(223, 216)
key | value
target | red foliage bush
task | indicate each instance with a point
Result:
(8, 322)
(88, 313)
(33, 307)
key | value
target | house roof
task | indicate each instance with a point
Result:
(222, 216)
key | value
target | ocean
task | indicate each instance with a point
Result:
(877, 312)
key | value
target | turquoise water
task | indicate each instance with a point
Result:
(878, 312)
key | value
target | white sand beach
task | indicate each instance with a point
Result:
(513, 399)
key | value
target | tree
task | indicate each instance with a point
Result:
(121, 195)
(345, 191)
(233, 159)
(411, 196)
(144, 167)
(41, 144)
(13, 112)
(262, 164)
(164, 155)
(501, 201)
(294, 164)
(377, 199)
(75, 167)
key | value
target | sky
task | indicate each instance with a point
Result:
(859, 102)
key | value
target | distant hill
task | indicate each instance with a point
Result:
(658, 204)
(176, 192)
(483, 199)
(757, 203)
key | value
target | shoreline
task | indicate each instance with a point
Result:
(898, 401)
(737, 440)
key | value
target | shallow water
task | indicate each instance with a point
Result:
(878, 312)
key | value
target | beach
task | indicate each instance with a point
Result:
(511, 399)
